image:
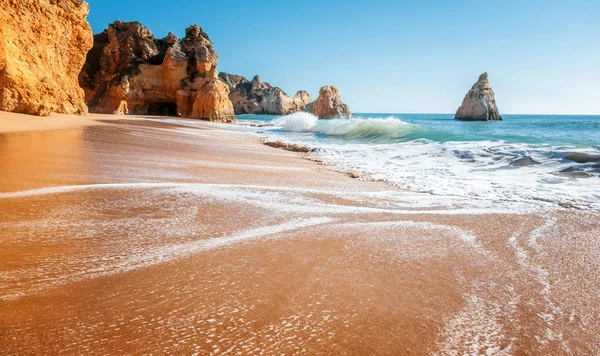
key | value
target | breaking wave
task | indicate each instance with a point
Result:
(372, 129)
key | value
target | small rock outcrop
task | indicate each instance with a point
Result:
(329, 104)
(129, 71)
(480, 103)
(258, 97)
(43, 44)
(582, 157)
(524, 162)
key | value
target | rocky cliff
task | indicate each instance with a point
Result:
(480, 103)
(43, 44)
(232, 80)
(258, 97)
(329, 104)
(129, 71)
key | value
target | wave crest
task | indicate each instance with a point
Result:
(297, 122)
(370, 128)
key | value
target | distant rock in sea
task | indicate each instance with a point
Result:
(42, 49)
(128, 71)
(480, 103)
(329, 104)
(258, 97)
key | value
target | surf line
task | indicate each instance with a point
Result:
(171, 253)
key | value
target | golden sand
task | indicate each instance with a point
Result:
(12, 122)
(137, 237)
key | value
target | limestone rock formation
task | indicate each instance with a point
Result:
(258, 97)
(212, 103)
(232, 80)
(128, 71)
(480, 103)
(43, 44)
(329, 104)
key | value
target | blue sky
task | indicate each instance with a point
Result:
(397, 56)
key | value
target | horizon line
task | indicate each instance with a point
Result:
(443, 113)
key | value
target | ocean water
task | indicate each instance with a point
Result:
(540, 160)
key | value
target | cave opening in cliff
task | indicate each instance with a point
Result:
(163, 109)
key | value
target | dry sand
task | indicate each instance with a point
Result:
(137, 237)
(12, 122)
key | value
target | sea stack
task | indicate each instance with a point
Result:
(329, 104)
(258, 97)
(43, 45)
(128, 71)
(480, 103)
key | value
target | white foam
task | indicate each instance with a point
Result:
(475, 330)
(74, 188)
(550, 310)
(293, 199)
(439, 169)
(152, 256)
(297, 122)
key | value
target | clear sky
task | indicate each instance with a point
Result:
(542, 56)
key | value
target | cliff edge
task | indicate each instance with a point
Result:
(43, 45)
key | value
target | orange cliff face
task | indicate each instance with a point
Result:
(129, 71)
(43, 45)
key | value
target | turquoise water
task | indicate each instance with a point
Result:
(557, 130)
(533, 160)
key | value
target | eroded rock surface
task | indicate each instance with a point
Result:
(129, 71)
(258, 97)
(480, 103)
(43, 44)
(329, 104)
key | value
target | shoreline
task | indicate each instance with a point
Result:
(140, 236)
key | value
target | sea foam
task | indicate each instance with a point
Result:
(297, 122)
(478, 161)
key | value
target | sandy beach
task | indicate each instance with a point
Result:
(132, 236)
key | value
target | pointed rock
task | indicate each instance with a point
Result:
(256, 83)
(171, 39)
(329, 104)
(480, 103)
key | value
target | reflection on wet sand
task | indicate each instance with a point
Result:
(40, 159)
(138, 238)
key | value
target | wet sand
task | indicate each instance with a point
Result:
(138, 237)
